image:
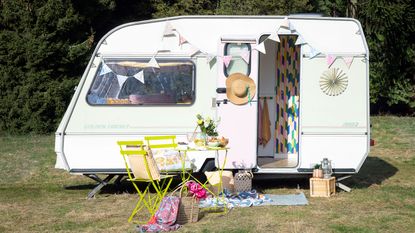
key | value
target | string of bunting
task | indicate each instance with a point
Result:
(170, 30)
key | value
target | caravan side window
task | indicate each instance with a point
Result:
(237, 63)
(129, 81)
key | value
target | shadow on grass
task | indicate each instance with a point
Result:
(374, 171)
(124, 186)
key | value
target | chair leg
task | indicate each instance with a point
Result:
(142, 202)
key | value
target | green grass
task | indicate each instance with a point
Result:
(35, 197)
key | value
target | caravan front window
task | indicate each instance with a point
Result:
(237, 52)
(130, 81)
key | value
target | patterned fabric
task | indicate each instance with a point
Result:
(287, 96)
(165, 216)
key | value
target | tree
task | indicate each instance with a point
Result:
(390, 32)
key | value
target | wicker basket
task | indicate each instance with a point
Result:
(188, 208)
(243, 181)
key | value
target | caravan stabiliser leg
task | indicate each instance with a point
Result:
(101, 183)
(342, 186)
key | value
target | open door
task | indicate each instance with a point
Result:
(238, 122)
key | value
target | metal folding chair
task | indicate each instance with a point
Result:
(141, 167)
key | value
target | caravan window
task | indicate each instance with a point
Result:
(237, 64)
(128, 81)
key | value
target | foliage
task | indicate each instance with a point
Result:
(44, 48)
(207, 126)
(390, 32)
(46, 44)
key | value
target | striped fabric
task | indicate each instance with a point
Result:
(287, 95)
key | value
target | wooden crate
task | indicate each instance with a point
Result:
(322, 187)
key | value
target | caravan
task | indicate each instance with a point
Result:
(304, 95)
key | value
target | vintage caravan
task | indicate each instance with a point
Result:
(289, 91)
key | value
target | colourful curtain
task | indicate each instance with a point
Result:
(287, 95)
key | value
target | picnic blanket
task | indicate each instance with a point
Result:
(252, 198)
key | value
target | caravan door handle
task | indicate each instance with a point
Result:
(221, 90)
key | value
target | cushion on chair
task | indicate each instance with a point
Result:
(137, 164)
(169, 160)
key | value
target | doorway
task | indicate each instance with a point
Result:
(278, 107)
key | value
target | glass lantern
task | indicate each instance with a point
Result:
(327, 169)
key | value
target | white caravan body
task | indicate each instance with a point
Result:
(331, 124)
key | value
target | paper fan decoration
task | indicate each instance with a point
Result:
(333, 82)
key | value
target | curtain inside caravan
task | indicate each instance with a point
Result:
(287, 95)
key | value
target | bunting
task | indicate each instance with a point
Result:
(285, 23)
(300, 40)
(182, 40)
(245, 56)
(104, 69)
(227, 60)
(168, 29)
(153, 63)
(313, 52)
(121, 79)
(274, 36)
(330, 59)
(209, 58)
(193, 50)
(260, 47)
(348, 61)
(140, 76)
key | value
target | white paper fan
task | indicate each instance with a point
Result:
(333, 82)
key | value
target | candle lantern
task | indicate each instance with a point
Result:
(327, 169)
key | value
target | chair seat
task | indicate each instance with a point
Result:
(145, 180)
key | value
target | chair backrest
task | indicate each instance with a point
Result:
(156, 142)
(140, 160)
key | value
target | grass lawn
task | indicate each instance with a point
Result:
(35, 197)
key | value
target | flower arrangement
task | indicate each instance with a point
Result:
(207, 126)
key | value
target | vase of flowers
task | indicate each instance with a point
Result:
(208, 129)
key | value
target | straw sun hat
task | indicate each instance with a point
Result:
(239, 87)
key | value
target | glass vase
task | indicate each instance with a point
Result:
(200, 139)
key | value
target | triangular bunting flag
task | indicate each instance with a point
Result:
(291, 26)
(209, 58)
(227, 60)
(274, 36)
(193, 50)
(140, 76)
(285, 23)
(300, 40)
(168, 29)
(313, 52)
(348, 61)
(121, 79)
(153, 63)
(104, 69)
(260, 47)
(245, 56)
(330, 59)
(182, 40)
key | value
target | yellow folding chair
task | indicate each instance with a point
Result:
(141, 167)
(164, 143)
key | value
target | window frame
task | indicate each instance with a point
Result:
(225, 48)
(145, 60)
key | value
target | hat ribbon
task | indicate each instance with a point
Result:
(249, 94)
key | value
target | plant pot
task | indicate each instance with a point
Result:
(318, 173)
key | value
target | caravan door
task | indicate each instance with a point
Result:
(238, 122)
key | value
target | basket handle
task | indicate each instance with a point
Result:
(179, 187)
